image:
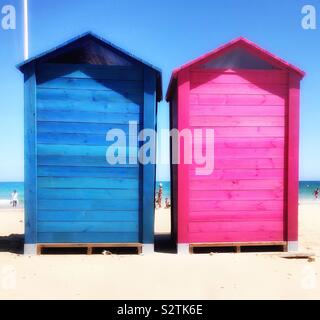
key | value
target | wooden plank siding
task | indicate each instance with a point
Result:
(251, 99)
(30, 156)
(244, 198)
(75, 94)
(183, 178)
(292, 221)
(81, 198)
(174, 170)
(148, 171)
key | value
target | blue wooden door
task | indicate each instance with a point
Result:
(82, 198)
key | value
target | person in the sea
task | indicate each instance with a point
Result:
(160, 192)
(14, 198)
(316, 193)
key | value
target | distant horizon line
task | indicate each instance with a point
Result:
(160, 180)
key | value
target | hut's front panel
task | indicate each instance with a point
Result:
(243, 199)
(82, 198)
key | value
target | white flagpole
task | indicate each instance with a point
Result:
(26, 30)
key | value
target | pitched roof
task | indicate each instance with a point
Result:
(68, 45)
(238, 42)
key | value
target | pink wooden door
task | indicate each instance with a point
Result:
(243, 199)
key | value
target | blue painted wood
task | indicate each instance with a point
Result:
(86, 237)
(88, 183)
(149, 170)
(30, 158)
(88, 194)
(81, 150)
(81, 197)
(90, 128)
(95, 205)
(80, 71)
(89, 172)
(77, 139)
(92, 106)
(123, 87)
(87, 226)
(89, 95)
(80, 161)
(104, 216)
(84, 117)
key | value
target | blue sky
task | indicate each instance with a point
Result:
(166, 33)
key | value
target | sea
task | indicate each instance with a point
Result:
(307, 189)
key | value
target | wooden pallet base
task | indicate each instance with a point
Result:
(89, 246)
(238, 246)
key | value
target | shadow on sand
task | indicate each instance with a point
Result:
(12, 243)
(164, 244)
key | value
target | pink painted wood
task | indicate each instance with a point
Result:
(205, 76)
(236, 111)
(225, 216)
(239, 88)
(237, 100)
(236, 195)
(258, 132)
(252, 195)
(238, 149)
(183, 181)
(293, 158)
(237, 236)
(236, 184)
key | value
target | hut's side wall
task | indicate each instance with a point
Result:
(80, 197)
(30, 159)
(244, 199)
(149, 168)
(293, 158)
(174, 169)
(183, 167)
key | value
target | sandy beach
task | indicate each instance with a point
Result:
(162, 275)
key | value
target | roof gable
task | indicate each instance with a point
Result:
(238, 58)
(92, 52)
(226, 57)
(89, 48)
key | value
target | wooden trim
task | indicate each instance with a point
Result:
(149, 170)
(39, 250)
(183, 180)
(293, 157)
(174, 170)
(30, 155)
(174, 194)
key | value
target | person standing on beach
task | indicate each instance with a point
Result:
(156, 201)
(14, 199)
(160, 195)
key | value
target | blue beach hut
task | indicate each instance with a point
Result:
(75, 94)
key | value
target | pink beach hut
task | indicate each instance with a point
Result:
(251, 99)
